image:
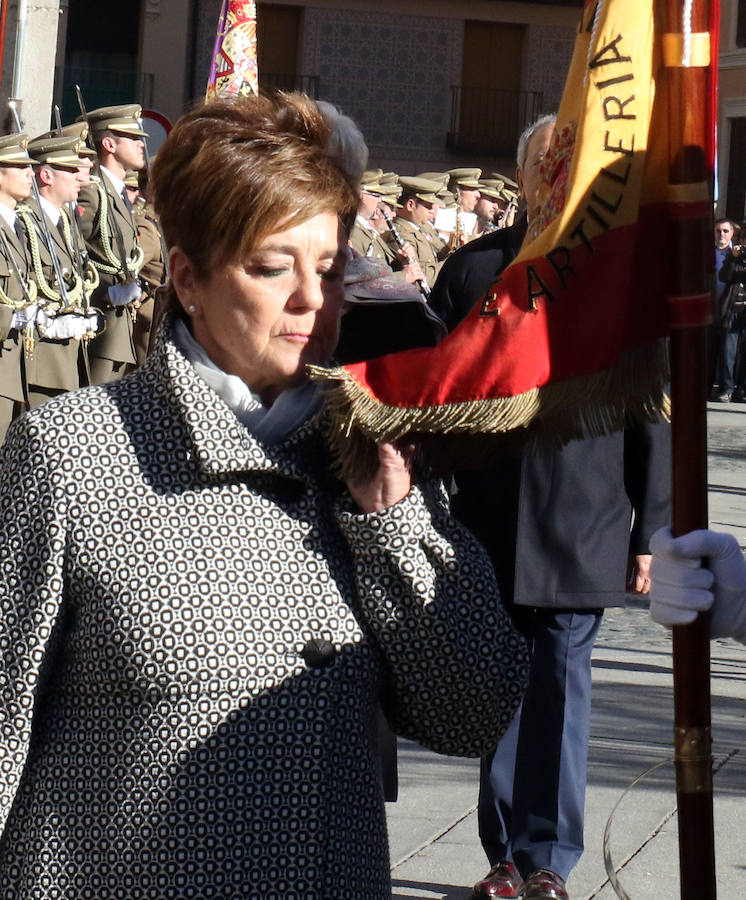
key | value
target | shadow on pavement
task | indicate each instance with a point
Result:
(421, 889)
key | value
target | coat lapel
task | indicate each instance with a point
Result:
(221, 443)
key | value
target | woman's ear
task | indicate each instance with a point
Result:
(184, 280)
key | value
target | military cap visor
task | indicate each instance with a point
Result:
(62, 152)
(13, 150)
(123, 120)
(420, 188)
(466, 178)
(507, 182)
(490, 193)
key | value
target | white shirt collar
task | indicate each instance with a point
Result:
(364, 223)
(50, 209)
(116, 182)
(9, 216)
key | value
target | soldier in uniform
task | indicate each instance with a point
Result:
(488, 206)
(108, 226)
(17, 292)
(155, 257)
(367, 240)
(415, 209)
(440, 244)
(64, 321)
(464, 183)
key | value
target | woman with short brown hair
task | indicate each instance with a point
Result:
(197, 618)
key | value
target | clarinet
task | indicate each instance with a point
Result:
(421, 283)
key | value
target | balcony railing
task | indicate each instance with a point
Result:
(307, 84)
(490, 120)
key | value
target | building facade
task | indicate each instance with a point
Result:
(432, 83)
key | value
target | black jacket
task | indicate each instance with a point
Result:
(558, 526)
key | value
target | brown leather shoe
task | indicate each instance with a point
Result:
(543, 884)
(502, 880)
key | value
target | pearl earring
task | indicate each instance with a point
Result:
(192, 309)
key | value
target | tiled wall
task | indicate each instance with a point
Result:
(391, 75)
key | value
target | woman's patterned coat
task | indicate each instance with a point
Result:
(161, 735)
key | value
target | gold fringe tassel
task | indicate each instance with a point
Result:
(633, 390)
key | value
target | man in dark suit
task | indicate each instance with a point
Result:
(108, 227)
(559, 528)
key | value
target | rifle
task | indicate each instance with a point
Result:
(421, 283)
(80, 251)
(44, 225)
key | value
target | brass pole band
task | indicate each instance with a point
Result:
(693, 758)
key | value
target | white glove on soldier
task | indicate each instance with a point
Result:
(22, 318)
(66, 326)
(122, 294)
(681, 588)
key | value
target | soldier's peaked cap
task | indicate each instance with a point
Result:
(119, 119)
(63, 152)
(77, 130)
(13, 150)
(422, 188)
(466, 178)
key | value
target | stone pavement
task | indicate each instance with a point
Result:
(435, 850)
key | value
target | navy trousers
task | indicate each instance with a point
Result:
(532, 787)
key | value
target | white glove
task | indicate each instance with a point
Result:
(94, 321)
(65, 326)
(681, 588)
(23, 318)
(122, 294)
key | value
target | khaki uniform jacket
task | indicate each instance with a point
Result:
(152, 275)
(439, 245)
(54, 363)
(116, 342)
(423, 248)
(371, 244)
(11, 348)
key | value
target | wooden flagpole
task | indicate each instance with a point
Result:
(690, 105)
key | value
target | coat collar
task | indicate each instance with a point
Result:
(220, 444)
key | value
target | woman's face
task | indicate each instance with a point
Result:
(267, 318)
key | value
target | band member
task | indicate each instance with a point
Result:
(415, 208)
(110, 232)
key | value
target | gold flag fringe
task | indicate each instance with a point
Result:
(452, 435)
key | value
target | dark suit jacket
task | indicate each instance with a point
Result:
(558, 526)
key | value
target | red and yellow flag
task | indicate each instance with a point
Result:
(234, 70)
(567, 340)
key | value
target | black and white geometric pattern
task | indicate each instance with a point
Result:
(161, 735)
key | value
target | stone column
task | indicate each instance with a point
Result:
(36, 83)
